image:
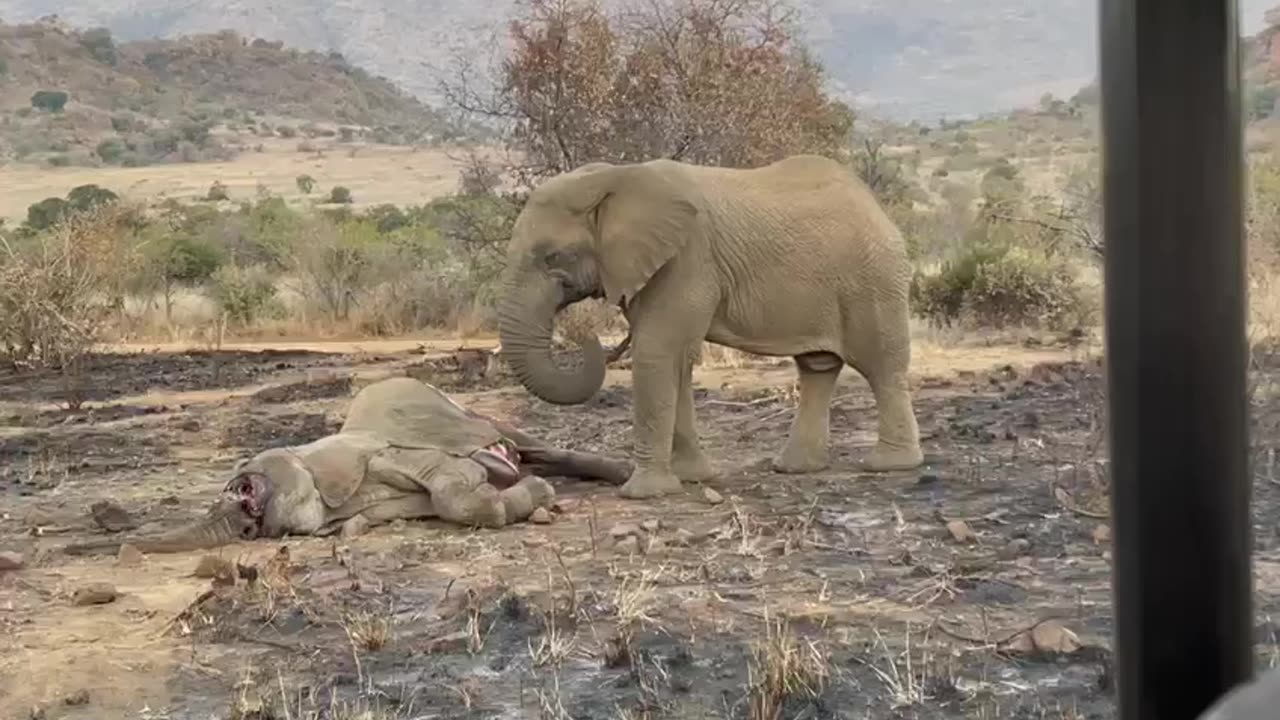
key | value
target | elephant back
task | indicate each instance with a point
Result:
(409, 413)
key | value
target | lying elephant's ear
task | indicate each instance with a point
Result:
(643, 218)
(337, 467)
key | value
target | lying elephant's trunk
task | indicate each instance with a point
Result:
(227, 523)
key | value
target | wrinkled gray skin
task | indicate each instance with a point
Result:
(406, 451)
(796, 258)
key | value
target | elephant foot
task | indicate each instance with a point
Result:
(531, 493)
(645, 483)
(798, 462)
(887, 458)
(696, 469)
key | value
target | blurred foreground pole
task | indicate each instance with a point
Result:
(1176, 354)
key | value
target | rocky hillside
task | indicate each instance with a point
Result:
(73, 96)
(920, 59)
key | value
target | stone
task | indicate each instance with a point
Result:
(1016, 548)
(129, 556)
(628, 545)
(11, 561)
(541, 516)
(212, 566)
(1102, 535)
(683, 538)
(652, 525)
(622, 530)
(354, 526)
(99, 593)
(79, 697)
(712, 497)
(111, 517)
(960, 531)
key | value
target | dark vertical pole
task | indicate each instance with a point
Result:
(1176, 354)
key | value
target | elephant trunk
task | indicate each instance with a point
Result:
(227, 523)
(525, 317)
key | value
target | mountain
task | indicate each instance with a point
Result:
(75, 96)
(920, 59)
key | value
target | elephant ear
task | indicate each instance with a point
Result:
(338, 464)
(643, 218)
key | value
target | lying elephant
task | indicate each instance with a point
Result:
(405, 451)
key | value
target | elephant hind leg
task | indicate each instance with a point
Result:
(898, 436)
(807, 445)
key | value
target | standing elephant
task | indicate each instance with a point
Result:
(795, 258)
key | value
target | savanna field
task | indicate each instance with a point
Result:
(211, 244)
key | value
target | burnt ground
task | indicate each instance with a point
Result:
(977, 587)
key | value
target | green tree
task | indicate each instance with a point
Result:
(100, 45)
(47, 213)
(305, 184)
(111, 150)
(86, 197)
(49, 100)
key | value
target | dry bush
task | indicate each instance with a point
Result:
(721, 82)
(59, 289)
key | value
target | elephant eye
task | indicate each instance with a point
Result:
(553, 257)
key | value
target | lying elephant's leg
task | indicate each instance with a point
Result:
(460, 493)
(521, 499)
(554, 462)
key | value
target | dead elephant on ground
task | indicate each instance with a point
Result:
(406, 451)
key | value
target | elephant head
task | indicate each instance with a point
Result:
(600, 231)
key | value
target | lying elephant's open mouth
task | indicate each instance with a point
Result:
(250, 490)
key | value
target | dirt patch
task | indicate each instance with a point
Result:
(975, 587)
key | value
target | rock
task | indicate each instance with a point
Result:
(541, 516)
(628, 545)
(683, 538)
(354, 526)
(219, 569)
(95, 594)
(960, 531)
(1102, 535)
(652, 525)
(129, 556)
(111, 517)
(1015, 549)
(455, 642)
(712, 497)
(79, 697)
(1050, 637)
(11, 561)
(622, 530)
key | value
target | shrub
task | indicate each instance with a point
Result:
(998, 286)
(59, 160)
(286, 131)
(340, 195)
(305, 184)
(58, 289)
(242, 294)
(47, 213)
(217, 192)
(49, 100)
(346, 134)
(100, 45)
(111, 150)
(88, 197)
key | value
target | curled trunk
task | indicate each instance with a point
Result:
(525, 319)
(226, 524)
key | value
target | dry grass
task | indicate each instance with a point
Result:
(375, 174)
(784, 667)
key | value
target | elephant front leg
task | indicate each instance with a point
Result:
(807, 445)
(655, 385)
(688, 461)
(460, 493)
